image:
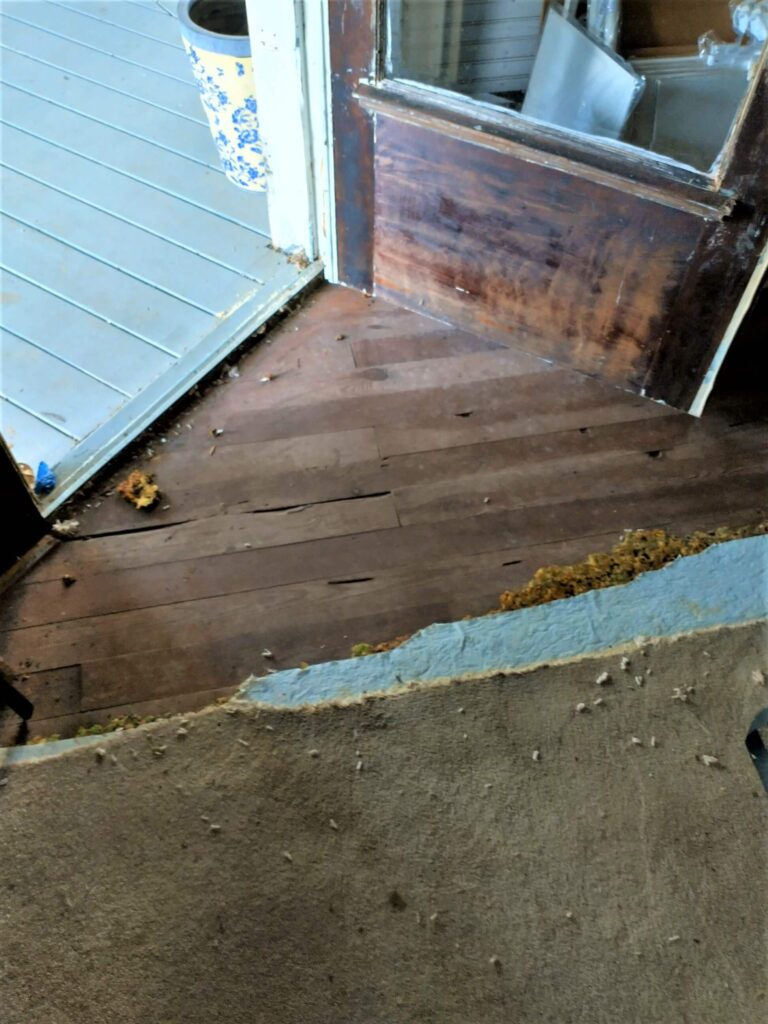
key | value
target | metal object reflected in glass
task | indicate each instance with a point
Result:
(578, 83)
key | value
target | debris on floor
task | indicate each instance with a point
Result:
(140, 490)
(709, 760)
(65, 527)
(298, 258)
(637, 552)
(114, 725)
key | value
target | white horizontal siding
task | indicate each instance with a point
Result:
(474, 46)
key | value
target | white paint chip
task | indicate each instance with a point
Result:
(710, 760)
(65, 527)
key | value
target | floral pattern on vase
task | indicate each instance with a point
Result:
(226, 90)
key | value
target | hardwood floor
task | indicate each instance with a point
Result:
(391, 473)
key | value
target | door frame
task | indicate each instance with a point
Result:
(290, 43)
(731, 202)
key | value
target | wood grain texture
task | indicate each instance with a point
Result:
(352, 34)
(340, 505)
(724, 260)
(570, 270)
(591, 264)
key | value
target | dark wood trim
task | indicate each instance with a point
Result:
(620, 158)
(725, 260)
(741, 168)
(352, 34)
(506, 138)
(24, 524)
(513, 249)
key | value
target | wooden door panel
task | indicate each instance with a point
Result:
(612, 261)
(575, 271)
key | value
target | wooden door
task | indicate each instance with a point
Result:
(625, 266)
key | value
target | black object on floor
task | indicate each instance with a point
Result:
(756, 745)
(11, 698)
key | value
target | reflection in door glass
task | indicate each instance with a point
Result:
(665, 76)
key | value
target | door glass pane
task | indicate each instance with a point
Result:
(664, 75)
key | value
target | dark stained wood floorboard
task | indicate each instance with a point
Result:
(344, 499)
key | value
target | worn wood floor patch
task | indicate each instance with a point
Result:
(369, 471)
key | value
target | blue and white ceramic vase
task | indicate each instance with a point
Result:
(215, 35)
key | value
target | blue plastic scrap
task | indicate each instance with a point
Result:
(45, 480)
